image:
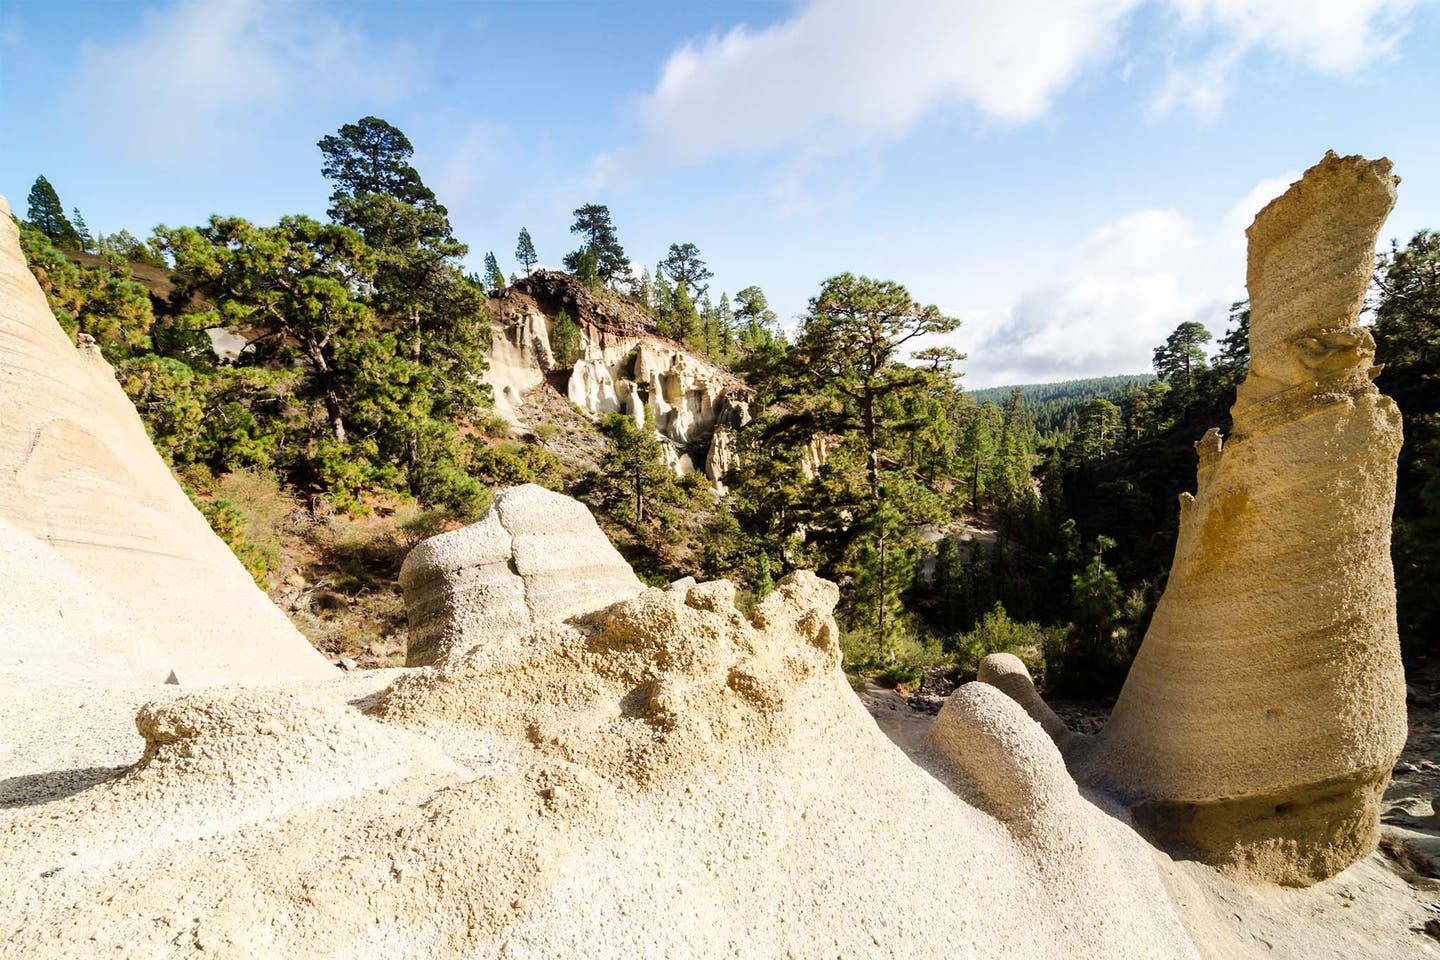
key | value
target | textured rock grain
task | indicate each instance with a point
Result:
(1260, 720)
(95, 531)
(534, 557)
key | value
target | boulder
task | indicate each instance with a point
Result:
(534, 557)
(110, 571)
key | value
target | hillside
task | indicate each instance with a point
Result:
(1051, 405)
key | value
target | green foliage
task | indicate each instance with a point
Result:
(292, 283)
(844, 387)
(1091, 657)
(1407, 334)
(586, 267)
(123, 247)
(493, 274)
(525, 254)
(370, 157)
(232, 525)
(565, 340)
(756, 323)
(47, 214)
(685, 268)
(82, 232)
(682, 319)
(105, 304)
(592, 223)
(998, 633)
(1056, 406)
(635, 484)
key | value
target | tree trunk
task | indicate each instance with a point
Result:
(326, 379)
(412, 444)
(639, 502)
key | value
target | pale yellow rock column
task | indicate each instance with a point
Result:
(1260, 720)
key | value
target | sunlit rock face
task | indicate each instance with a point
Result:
(686, 398)
(535, 556)
(621, 368)
(108, 570)
(1261, 718)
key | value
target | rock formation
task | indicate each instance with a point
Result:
(108, 568)
(622, 368)
(533, 557)
(520, 353)
(1266, 706)
(668, 776)
(591, 769)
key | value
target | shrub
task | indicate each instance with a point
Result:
(997, 633)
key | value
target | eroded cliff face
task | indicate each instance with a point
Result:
(621, 368)
(1259, 723)
(108, 570)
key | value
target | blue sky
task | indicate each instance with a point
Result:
(1072, 179)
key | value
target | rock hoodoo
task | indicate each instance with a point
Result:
(622, 367)
(1261, 718)
(593, 769)
(109, 570)
(534, 557)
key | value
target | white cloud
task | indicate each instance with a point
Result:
(848, 71)
(462, 172)
(847, 68)
(1335, 37)
(1119, 295)
(207, 74)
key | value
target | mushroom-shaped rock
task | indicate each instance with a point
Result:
(1006, 672)
(534, 557)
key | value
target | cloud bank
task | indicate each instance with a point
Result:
(1118, 295)
(846, 71)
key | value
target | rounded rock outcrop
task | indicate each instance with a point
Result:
(533, 557)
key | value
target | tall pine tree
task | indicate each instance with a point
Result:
(47, 215)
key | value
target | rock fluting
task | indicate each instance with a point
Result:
(1260, 720)
(109, 570)
(622, 367)
(534, 557)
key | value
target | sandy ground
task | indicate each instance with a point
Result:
(1378, 908)
(1385, 906)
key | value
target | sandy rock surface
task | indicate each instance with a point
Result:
(108, 569)
(533, 557)
(1261, 718)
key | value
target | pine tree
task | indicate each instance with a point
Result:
(592, 222)
(565, 341)
(371, 157)
(685, 269)
(1182, 355)
(586, 267)
(419, 288)
(684, 318)
(493, 276)
(525, 252)
(755, 318)
(87, 242)
(644, 292)
(47, 215)
(634, 470)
